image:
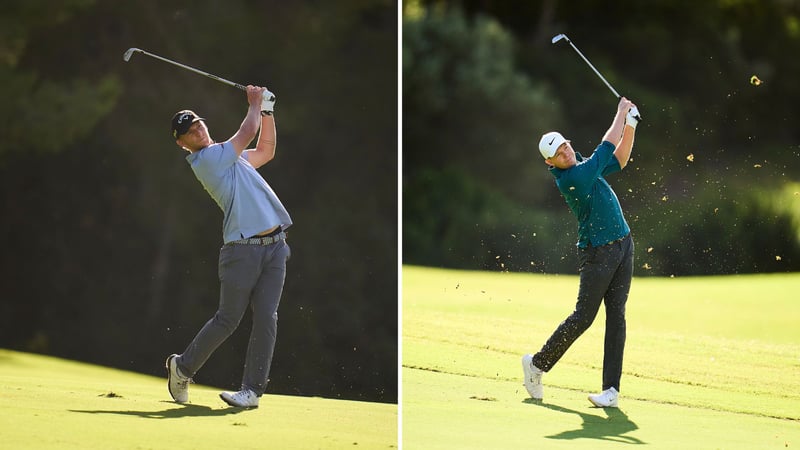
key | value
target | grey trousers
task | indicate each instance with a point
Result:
(605, 274)
(250, 276)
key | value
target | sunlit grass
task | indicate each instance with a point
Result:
(48, 403)
(710, 363)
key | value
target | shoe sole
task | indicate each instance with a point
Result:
(234, 404)
(169, 379)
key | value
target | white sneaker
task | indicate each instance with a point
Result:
(177, 384)
(242, 399)
(605, 399)
(533, 378)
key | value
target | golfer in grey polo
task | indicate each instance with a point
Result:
(252, 263)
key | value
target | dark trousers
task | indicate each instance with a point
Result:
(605, 274)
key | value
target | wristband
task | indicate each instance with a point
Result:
(266, 113)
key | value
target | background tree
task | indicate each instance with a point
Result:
(70, 104)
(466, 143)
(710, 157)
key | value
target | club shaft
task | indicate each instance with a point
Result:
(613, 91)
(209, 75)
(595, 70)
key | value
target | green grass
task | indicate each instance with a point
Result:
(710, 363)
(48, 403)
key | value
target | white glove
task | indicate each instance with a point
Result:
(267, 103)
(633, 117)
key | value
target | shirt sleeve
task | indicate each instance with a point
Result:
(611, 162)
(612, 166)
(581, 177)
(217, 158)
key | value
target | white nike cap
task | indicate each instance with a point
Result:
(550, 142)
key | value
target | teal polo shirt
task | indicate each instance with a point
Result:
(247, 201)
(591, 199)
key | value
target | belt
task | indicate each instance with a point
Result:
(616, 240)
(262, 240)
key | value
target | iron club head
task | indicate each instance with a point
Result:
(559, 37)
(128, 53)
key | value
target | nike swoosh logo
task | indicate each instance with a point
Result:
(551, 140)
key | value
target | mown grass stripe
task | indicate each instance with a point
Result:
(710, 363)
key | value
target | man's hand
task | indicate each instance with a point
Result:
(254, 95)
(632, 118)
(614, 133)
(267, 102)
(624, 105)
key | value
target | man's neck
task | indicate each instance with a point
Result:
(201, 148)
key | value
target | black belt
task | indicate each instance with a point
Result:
(616, 240)
(610, 242)
(274, 236)
(272, 233)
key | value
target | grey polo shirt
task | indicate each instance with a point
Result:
(248, 203)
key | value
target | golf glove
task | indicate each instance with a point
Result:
(267, 103)
(632, 118)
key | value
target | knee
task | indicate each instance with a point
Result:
(227, 322)
(272, 324)
(580, 322)
(616, 320)
(616, 314)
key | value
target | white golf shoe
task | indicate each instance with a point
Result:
(242, 399)
(533, 378)
(605, 399)
(177, 384)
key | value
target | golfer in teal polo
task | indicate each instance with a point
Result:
(605, 250)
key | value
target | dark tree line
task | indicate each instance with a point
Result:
(714, 184)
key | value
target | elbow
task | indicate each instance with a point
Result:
(266, 146)
(622, 160)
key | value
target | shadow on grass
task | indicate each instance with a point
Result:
(612, 427)
(174, 411)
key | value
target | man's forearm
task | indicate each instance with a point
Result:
(267, 137)
(625, 147)
(251, 123)
(614, 133)
(265, 146)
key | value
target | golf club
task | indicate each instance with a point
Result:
(127, 56)
(560, 37)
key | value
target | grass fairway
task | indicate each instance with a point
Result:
(710, 363)
(48, 403)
